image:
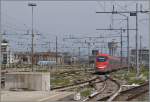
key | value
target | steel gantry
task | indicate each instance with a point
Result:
(132, 13)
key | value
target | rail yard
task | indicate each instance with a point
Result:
(80, 50)
(93, 87)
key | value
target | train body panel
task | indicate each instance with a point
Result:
(105, 63)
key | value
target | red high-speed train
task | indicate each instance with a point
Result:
(105, 63)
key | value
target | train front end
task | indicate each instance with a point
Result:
(101, 63)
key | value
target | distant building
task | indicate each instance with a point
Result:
(69, 59)
(92, 59)
(112, 48)
(25, 57)
(95, 52)
(84, 60)
(143, 56)
(6, 54)
(22, 58)
(93, 56)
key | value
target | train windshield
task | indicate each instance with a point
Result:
(101, 59)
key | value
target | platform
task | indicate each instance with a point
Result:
(33, 96)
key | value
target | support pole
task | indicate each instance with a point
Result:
(89, 53)
(0, 44)
(128, 42)
(137, 57)
(149, 47)
(79, 54)
(56, 51)
(32, 41)
(121, 46)
(140, 51)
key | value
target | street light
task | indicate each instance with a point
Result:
(32, 5)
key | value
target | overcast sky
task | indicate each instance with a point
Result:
(77, 19)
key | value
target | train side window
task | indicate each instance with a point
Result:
(101, 59)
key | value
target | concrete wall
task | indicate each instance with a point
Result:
(28, 80)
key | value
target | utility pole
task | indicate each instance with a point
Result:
(79, 54)
(149, 44)
(89, 53)
(103, 46)
(0, 42)
(128, 44)
(140, 51)
(56, 51)
(9, 57)
(49, 51)
(137, 57)
(140, 41)
(32, 48)
(121, 46)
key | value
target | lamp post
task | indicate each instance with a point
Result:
(32, 48)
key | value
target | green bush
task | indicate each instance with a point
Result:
(86, 92)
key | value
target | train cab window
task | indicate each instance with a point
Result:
(101, 59)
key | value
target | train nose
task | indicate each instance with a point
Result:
(101, 67)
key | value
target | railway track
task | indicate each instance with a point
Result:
(132, 93)
(129, 94)
(84, 83)
(110, 87)
(96, 93)
(77, 70)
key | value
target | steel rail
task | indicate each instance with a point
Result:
(129, 94)
(108, 98)
(116, 93)
(96, 93)
(132, 93)
(62, 88)
(91, 97)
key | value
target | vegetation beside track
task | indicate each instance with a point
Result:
(130, 77)
(69, 77)
(86, 92)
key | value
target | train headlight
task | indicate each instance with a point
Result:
(102, 67)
